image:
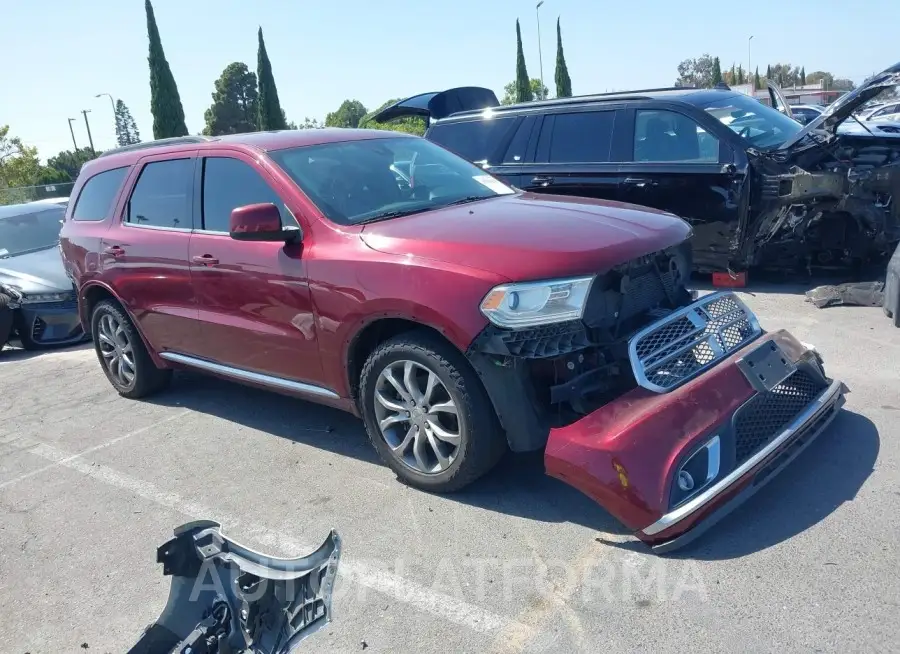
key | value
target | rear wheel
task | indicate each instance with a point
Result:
(427, 414)
(122, 354)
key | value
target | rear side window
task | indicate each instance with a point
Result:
(98, 195)
(670, 136)
(583, 137)
(162, 195)
(229, 184)
(475, 140)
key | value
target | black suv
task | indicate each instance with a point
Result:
(757, 187)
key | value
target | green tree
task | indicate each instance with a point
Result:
(271, 115)
(234, 109)
(165, 103)
(768, 72)
(563, 81)
(756, 81)
(733, 76)
(69, 162)
(740, 75)
(716, 72)
(19, 164)
(309, 123)
(537, 91)
(523, 86)
(696, 72)
(347, 115)
(803, 76)
(126, 129)
(408, 125)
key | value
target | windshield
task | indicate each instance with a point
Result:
(29, 232)
(353, 182)
(763, 127)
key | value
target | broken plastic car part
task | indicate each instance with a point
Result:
(227, 598)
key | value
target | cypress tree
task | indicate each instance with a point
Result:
(803, 76)
(716, 72)
(563, 81)
(270, 114)
(523, 84)
(165, 103)
(756, 82)
(769, 72)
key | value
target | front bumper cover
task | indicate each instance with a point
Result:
(626, 454)
(50, 323)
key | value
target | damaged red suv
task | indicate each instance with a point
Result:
(458, 317)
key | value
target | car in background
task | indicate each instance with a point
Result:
(758, 188)
(38, 296)
(457, 316)
(879, 111)
(887, 125)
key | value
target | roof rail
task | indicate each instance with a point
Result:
(550, 102)
(175, 140)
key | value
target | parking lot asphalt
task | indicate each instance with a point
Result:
(91, 484)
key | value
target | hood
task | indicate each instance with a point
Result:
(36, 272)
(839, 110)
(529, 236)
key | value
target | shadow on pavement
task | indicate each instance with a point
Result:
(822, 478)
(13, 351)
(517, 486)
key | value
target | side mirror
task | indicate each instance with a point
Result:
(261, 222)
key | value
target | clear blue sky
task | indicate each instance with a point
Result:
(59, 54)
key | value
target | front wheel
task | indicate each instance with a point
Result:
(122, 354)
(427, 413)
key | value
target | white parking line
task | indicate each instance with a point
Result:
(401, 589)
(33, 447)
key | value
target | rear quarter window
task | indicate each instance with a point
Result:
(475, 140)
(98, 194)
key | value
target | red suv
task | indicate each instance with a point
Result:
(459, 317)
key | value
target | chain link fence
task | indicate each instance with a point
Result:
(22, 194)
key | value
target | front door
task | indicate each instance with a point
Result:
(255, 308)
(144, 254)
(678, 166)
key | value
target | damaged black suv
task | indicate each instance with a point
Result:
(758, 188)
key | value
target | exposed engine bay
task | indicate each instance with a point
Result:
(564, 371)
(830, 203)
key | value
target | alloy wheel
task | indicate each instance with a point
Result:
(417, 417)
(116, 349)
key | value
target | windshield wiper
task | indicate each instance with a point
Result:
(467, 200)
(388, 215)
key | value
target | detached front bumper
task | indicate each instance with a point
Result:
(729, 433)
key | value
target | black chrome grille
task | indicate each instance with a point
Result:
(765, 415)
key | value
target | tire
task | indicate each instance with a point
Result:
(6, 320)
(142, 377)
(481, 442)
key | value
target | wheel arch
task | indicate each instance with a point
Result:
(91, 294)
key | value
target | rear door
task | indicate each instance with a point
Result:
(144, 254)
(255, 309)
(574, 154)
(677, 164)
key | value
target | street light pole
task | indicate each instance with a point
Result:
(537, 11)
(749, 66)
(88, 125)
(115, 118)
(72, 132)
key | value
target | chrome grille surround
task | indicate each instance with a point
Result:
(675, 349)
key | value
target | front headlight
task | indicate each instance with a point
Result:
(529, 304)
(36, 298)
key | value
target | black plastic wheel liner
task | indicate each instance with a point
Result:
(227, 598)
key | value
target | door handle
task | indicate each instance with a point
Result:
(205, 260)
(114, 251)
(640, 182)
(541, 180)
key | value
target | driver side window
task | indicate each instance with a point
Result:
(667, 136)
